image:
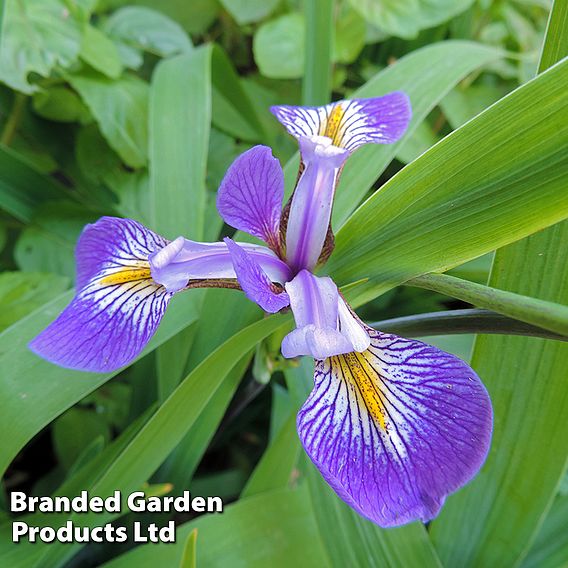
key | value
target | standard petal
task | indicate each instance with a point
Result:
(118, 306)
(251, 194)
(254, 281)
(183, 261)
(395, 429)
(312, 202)
(350, 123)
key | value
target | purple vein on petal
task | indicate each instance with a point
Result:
(420, 424)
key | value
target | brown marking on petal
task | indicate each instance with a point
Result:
(227, 283)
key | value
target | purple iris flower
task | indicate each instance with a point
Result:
(393, 424)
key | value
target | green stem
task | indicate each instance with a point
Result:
(547, 315)
(13, 119)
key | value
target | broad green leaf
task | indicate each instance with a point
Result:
(60, 104)
(279, 47)
(275, 469)
(195, 16)
(460, 105)
(38, 35)
(547, 315)
(273, 529)
(349, 40)
(233, 111)
(180, 118)
(487, 184)
(526, 379)
(147, 30)
(406, 19)
(75, 430)
(249, 11)
(120, 108)
(100, 52)
(162, 432)
(319, 33)
(48, 244)
(23, 292)
(33, 392)
(348, 538)
(550, 548)
(22, 188)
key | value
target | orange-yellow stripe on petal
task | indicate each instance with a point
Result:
(363, 380)
(127, 275)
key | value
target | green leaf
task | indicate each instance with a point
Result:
(180, 118)
(23, 292)
(120, 108)
(39, 391)
(547, 315)
(249, 11)
(162, 432)
(529, 454)
(100, 52)
(485, 185)
(147, 30)
(460, 321)
(23, 189)
(406, 19)
(60, 104)
(189, 558)
(38, 35)
(273, 529)
(233, 110)
(316, 85)
(276, 467)
(48, 244)
(75, 430)
(195, 16)
(279, 47)
(526, 379)
(350, 29)
(550, 548)
(556, 45)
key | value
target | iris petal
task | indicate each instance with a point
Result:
(182, 261)
(251, 194)
(396, 428)
(350, 123)
(254, 281)
(117, 307)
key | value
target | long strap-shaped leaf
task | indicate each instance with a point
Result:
(497, 179)
(493, 521)
(547, 315)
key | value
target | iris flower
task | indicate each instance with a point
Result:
(393, 424)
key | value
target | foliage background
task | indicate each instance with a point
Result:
(136, 109)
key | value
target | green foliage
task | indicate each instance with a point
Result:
(137, 108)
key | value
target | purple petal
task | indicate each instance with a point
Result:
(350, 123)
(315, 305)
(182, 260)
(395, 429)
(251, 194)
(312, 202)
(254, 281)
(117, 307)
